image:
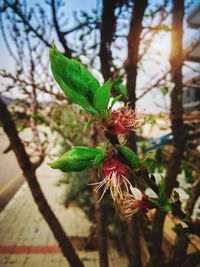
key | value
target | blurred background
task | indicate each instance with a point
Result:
(151, 49)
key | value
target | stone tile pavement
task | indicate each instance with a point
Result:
(25, 238)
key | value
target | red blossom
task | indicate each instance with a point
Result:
(125, 120)
(134, 202)
(114, 172)
(112, 164)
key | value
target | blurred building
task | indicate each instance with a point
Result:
(191, 94)
(191, 85)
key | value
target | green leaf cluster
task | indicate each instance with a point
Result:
(78, 84)
(78, 159)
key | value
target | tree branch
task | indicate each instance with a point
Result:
(133, 48)
(61, 35)
(29, 173)
(26, 22)
(176, 115)
(107, 30)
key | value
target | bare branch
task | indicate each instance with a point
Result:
(61, 35)
(107, 32)
(24, 19)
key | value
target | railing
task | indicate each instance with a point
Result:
(157, 142)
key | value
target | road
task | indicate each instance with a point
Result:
(11, 177)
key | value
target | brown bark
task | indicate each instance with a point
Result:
(176, 114)
(191, 260)
(99, 215)
(108, 26)
(195, 195)
(131, 70)
(133, 57)
(182, 239)
(133, 241)
(29, 173)
(133, 47)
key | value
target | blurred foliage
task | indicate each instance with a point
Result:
(69, 122)
(156, 161)
(78, 192)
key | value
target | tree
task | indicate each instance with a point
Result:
(176, 113)
(29, 173)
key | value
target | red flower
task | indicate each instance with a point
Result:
(125, 120)
(134, 202)
(113, 164)
(114, 178)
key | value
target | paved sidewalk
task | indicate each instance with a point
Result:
(25, 238)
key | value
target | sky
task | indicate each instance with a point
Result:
(154, 102)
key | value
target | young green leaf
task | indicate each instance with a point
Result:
(162, 190)
(88, 123)
(102, 96)
(167, 207)
(151, 119)
(75, 97)
(165, 90)
(78, 159)
(99, 158)
(131, 158)
(120, 87)
(117, 98)
(73, 74)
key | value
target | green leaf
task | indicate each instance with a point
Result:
(164, 27)
(165, 90)
(99, 158)
(74, 79)
(102, 96)
(88, 123)
(75, 97)
(121, 88)
(150, 164)
(187, 219)
(162, 190)
(131, 158)
(73, 73)
(105, 145)
(38, 117)
(115, 100)
(78, 159)
(154, 202)
(167, 207)
(157, 203)
(151, 119)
